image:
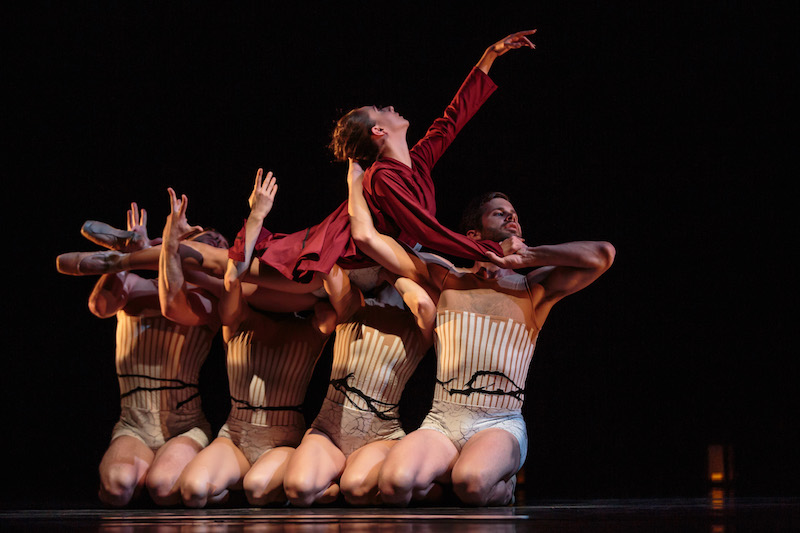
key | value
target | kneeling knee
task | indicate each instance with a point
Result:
(299, 490)
(472, 487)
(396, 485)
(162, 488)
(194, 491)
(358, 492)
(118, 486)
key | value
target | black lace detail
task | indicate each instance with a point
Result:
(244, 405)
(517, 392)
(380, 409)
(179, 385)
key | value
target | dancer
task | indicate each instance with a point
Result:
(203, 256)
(270, 360)
(488, 319)
(398, 185)
(161, 426)
(399, 189)
(378, 345)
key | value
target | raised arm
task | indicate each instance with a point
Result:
(261, 201)
(511, 42)
(179, 302)
(383, 249)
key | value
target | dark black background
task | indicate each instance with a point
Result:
(660, 128)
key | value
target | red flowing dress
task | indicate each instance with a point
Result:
(401, 199)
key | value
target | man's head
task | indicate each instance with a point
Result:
(360, 133)
(492, 217)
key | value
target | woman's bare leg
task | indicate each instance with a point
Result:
(194, 256)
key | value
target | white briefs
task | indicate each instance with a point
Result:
(460, 422)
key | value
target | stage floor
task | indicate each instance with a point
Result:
(659, 515)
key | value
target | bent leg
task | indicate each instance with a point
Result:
(359, 482)
(216, 469)
(484, 471)
(123, 470)
(194, 256)
(169, 462)
(313, 470)
(263, 483)
(415, 465)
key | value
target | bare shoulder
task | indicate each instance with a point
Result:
(433, 259)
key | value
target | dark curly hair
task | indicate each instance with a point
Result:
(471, 217)
(352, 138)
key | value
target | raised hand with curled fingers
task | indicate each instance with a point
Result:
(177, 226)
(137, 224)
(263, 196)
(513, 42)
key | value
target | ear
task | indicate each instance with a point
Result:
(474, 234)
(378, 131)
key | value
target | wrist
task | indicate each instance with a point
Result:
(170, 244)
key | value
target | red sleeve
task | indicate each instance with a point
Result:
(475, 90)
(394, 202)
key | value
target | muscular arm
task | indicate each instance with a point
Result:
(123, 291)
(342, 295)
(261, 201)
(383, 249)
(233, 308)
(178, 302)
(568, 267)
(109, 295)
(421, 305)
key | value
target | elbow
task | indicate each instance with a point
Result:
(604, 255)
(426, 310)
(363, 238)
(422, 307)
(102, 306)
(169, 310)
(99, 309)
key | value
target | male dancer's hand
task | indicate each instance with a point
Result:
(177, 227)
(137, 223)
(512, 245)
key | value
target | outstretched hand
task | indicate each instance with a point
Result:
(137, 223)
(510, 42)
(177, 227)
(263, 196)
(513, 42)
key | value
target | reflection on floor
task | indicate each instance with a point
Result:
(708, 515)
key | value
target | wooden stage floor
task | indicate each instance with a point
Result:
(655, 515)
